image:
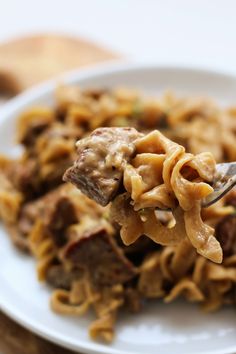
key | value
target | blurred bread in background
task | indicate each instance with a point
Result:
(30, 60)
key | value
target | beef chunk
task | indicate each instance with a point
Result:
(26, 178)
(97, 252)
(61, 215)
(33, 132)
(32, 124)
(47, 208)
(101, 159)
(59, 277)
(226, 234)
(31, 211)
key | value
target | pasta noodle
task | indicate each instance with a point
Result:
(76, 242)
(10, 201)
(155, 178)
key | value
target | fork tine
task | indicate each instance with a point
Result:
(224, 182)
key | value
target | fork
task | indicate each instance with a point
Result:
(225, 180)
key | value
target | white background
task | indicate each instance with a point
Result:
(193, 32)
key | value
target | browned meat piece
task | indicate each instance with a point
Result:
(32, 124)
(57, 210)
(42, 167)
(31, 211)
(58, 277)
(33, 132)
(226, 234)
(25, 176)
(38, 208)
(61, 215)
(97, 252)
(101, 159)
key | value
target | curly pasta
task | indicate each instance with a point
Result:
(198, 280)
(42, 248)
(75, 302)
(162, 175)
(75, 241)
(82, 296)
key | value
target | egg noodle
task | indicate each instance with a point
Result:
(77, 244)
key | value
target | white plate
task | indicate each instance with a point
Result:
(175, 328)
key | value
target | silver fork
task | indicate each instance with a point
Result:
(224, 181)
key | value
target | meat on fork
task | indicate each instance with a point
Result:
(99, 167)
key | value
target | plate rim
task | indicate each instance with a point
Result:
(112, 66)
(15, 104)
